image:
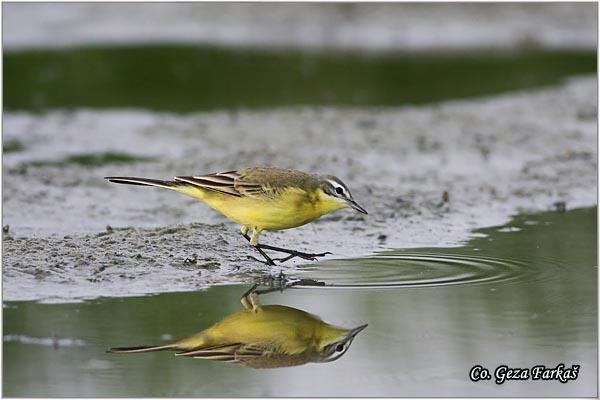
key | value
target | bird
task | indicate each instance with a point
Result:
(262, 199)
(270, 336)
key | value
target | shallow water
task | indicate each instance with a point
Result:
(191, 78)
(521, 295)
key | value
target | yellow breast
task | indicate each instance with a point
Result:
(289, 208)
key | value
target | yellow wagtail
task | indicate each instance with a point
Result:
(269, 336)
(263, 198)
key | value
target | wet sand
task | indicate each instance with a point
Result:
(494, 157)
(368, 27)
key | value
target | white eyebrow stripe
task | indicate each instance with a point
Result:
(345, 191)
(335, 355)
(336, 184)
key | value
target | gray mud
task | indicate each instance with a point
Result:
(494, 157)
(369, 27)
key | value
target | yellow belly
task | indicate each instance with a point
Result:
(268, 214)
(289, 209)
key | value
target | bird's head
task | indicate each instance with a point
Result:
(336, 191)
(336, 345)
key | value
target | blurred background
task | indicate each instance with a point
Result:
(187, 57)
(442, 118)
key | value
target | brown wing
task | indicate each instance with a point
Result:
(229, 353)
(273, 180)
(230, 182)
(253, 182)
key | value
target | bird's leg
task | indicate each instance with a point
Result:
(253, 297)
(254, 239)
(246, 302)
(270, 261)
(250, 299)
(254, 243)
(292, 253)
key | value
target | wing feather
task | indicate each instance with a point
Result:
(229, 353)
(231, 182)
(250, 351)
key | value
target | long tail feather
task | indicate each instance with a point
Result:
(139, 349)
(128, 180)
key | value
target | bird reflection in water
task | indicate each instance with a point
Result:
(269, 336)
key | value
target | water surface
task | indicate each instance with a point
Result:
(521, 295)
(192, 78)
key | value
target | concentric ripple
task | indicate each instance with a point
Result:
(410, 269)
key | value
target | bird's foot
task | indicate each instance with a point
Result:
(291, 253)
(268, 260)
(295, 253)
(274, 283)
(277, 283)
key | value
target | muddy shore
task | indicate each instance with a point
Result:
(348, 26)
(494, 157)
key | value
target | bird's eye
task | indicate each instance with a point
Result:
(339, 190)
(339, 347)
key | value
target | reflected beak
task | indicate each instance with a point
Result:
(356, 331)
(355, 205)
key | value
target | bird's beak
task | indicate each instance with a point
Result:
(355, 205)
(355, 331)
